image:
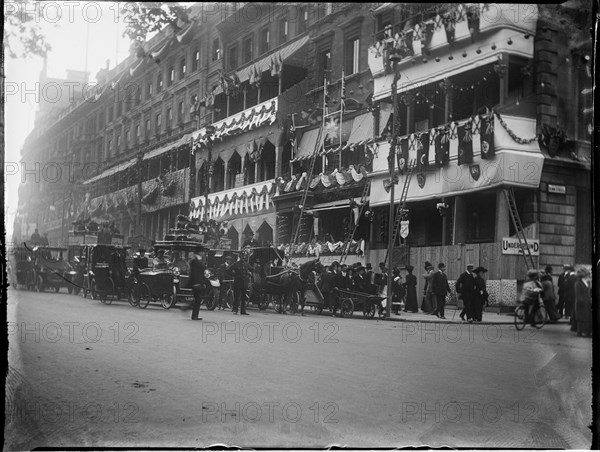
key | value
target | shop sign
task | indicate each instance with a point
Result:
(511, 245)
(557, 189)
(91, 239)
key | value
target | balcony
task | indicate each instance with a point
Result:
(502, 29)
(517, 162)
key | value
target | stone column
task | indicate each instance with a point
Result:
(278, 156)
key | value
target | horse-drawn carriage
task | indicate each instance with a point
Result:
(21, 266)
(349, 300)
(169, 285)
(50, 270)
(105, 273)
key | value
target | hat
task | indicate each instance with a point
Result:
(369, 267)
(359, 268)
(480, 269)
(441, 265)
(428, 265)
(470, 265)
(532, 274)
(409, 268)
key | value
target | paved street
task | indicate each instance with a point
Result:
(86, 374)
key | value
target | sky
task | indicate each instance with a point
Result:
(66, 28)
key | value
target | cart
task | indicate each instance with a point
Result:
(22, 268)
(350, 300)
(105, 273)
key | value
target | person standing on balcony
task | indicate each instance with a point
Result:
(439, 288)
(465, 288)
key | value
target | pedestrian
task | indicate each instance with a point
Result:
(349, 279)
(548, 296)
(339, 282)
(480, 294)
(35, 238)
(397, 291)
(412, 305)
(560, 306)
(583, 302)
(159, 262)
(439, 288)
(197, 282)
(465, 288)
(569, 292)
(327, 285)
(530, 294)
(361, 284)
(428, 306)
(239, 272)
(381, 280)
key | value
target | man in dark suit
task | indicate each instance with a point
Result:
(440, 287)
(197, 282)
(238, 271)
(360, 280)
(327, 285)
(465, 286)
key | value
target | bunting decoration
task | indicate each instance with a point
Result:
(442, 147)
(255, 77)
(276, 65)
(465, 144)
(486, 135)
(402, 156)
(423, 150)
(473, 20)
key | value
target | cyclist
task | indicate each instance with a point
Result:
(530, 294)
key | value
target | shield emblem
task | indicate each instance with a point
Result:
(475, 172)
(402, 164)
(404, 228)
(421, 180)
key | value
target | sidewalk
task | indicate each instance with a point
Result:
(452, 316)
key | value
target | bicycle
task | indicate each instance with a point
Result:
(537, 318)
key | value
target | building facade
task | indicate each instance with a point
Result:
(254, 113)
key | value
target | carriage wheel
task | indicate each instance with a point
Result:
(133, 298)
(291, 304)
(212, 300)
(93, 290)
(347, 307)
(168, 299)
(520, 317)
(369, 310)
(143, 296)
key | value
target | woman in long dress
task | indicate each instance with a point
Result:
(428, 300)
(412, 305)
(583, 303)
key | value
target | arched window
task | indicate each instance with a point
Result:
(218, 177)
(267, 161)
(233, 168)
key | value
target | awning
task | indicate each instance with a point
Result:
(111, 171)
(159, 151)
(264, 64)
(383, 7)
(307, 144)
(339, 204)
(362, 129)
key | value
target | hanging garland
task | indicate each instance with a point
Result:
(512, 134)
(150, 197)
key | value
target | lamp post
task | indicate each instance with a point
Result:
(138, 204)
(393, 181)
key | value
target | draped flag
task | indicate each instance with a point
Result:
(486, 134)
(442, 147)
(403, 155)
(423, 150)
(465, 144)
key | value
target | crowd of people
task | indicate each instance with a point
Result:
(574, 296)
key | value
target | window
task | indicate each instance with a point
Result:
(180, 113)
(118, 109)
(384, 26)
(352, 51)
(324, 64)
(171, 75)
(118, 142)
(302, 19)
(137, 133)
(109, 148)
(216, 52)
(149, 89)
(247, 49)
(283, 30)
(265, 37)
(182, 69)
(233, 58)
(127, 137)
(158, 124)
(110, 114)
(196, 61)
(169, 117)
(147, 129)
(159, 83)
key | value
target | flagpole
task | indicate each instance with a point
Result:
(392, 169)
